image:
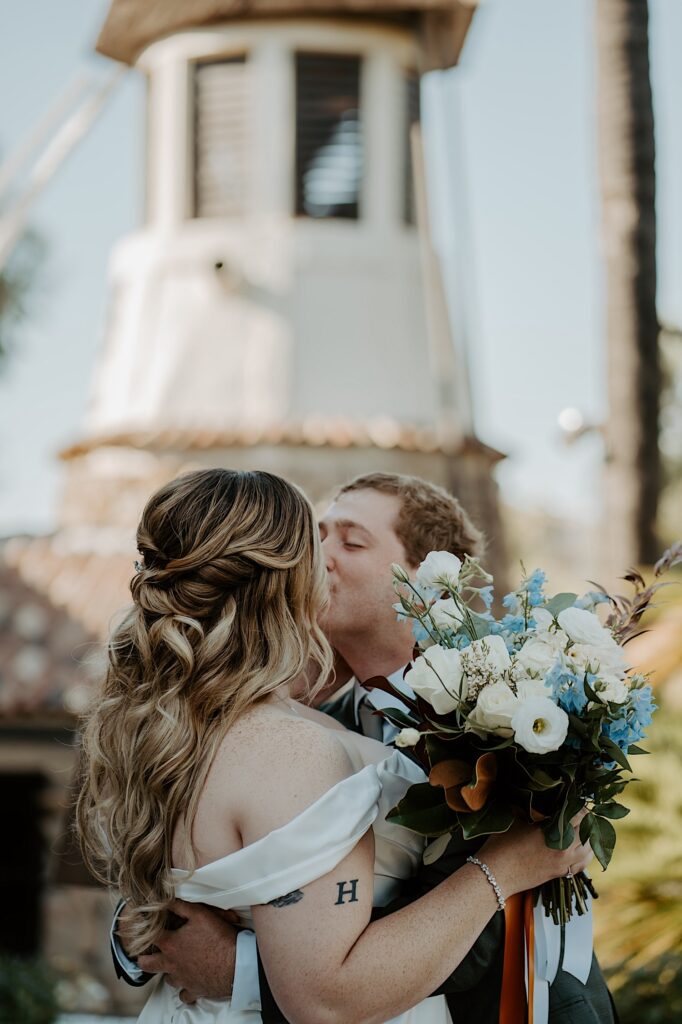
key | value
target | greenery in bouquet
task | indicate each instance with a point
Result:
(533, 715)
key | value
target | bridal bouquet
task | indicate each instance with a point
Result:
(533, 715)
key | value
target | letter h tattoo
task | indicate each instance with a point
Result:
(347, 889)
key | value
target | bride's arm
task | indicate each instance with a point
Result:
(325, 961)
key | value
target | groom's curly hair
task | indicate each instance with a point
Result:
(226, 607)
(430, 519)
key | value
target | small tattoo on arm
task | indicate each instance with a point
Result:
(286, 901)
(347, 889)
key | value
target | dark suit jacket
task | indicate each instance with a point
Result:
(473, 989)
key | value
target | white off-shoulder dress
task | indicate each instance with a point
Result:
(306, 848)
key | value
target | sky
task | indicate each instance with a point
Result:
(511, 135)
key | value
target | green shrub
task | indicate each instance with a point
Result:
(652, 994)
(27, 992)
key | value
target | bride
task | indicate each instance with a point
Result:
(205, 781)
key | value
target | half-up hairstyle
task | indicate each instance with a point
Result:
(225, 610)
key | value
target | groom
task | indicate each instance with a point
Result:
(374, 521)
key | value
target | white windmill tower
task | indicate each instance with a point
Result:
(281, 306)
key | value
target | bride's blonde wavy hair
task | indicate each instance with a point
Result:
(225, 610)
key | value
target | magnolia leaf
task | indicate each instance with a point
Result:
(611, 810)
(602, 840)
(424, 810)
(435, 850)
(540, 781)
(560, 602)
(493, 818)
(382, 683)
(439, 749)
(399, 718)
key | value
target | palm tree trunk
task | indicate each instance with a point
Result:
(626, 155)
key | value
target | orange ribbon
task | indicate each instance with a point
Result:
(519, 943)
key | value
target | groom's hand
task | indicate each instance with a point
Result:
(199, 956)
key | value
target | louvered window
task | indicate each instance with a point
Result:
(412, 116)
(329, 151)
(221, 137)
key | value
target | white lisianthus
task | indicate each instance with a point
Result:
(487, 658)
(446, 614)
(536, 656)
(584, 627)
(439, 569)
(399, 573)
(407, 738)
(539, 725)
(543, 619)
(527, 688)
(438, 677)
(495, 708)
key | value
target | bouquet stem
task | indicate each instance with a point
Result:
(563, 897)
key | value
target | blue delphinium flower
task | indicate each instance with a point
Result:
(420, 634)
(513, 623)
(568, 689)
(511, 603)
(643, 706)
(588, 602)
(486, 594)
(534, 587)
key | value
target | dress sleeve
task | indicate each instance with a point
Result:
(307, 847)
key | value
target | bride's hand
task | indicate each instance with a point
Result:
(520, 858)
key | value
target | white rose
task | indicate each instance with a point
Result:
(583, 627)
(437, 676)
(407, 738)
(439, 568)
(488, 655)
(609, 658)
(495, 708)
(539, 725)
(611, 688)
(527, 688)
(536, 656)
(446, 614)
(543, 619)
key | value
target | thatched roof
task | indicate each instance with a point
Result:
(131, 25)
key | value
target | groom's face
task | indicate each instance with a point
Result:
(359, 544)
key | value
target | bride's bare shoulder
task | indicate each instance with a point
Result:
(274, 764)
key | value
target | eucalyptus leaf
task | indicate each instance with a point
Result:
(634, 749)
(435, 850)
(560, 602)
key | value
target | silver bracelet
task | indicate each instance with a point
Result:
(491, 878)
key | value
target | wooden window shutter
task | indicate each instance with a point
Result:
(329, 149)
(221, 137)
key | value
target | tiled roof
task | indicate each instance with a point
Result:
(315, 431)
(47, 659)
(89, 586)
(133, 24)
